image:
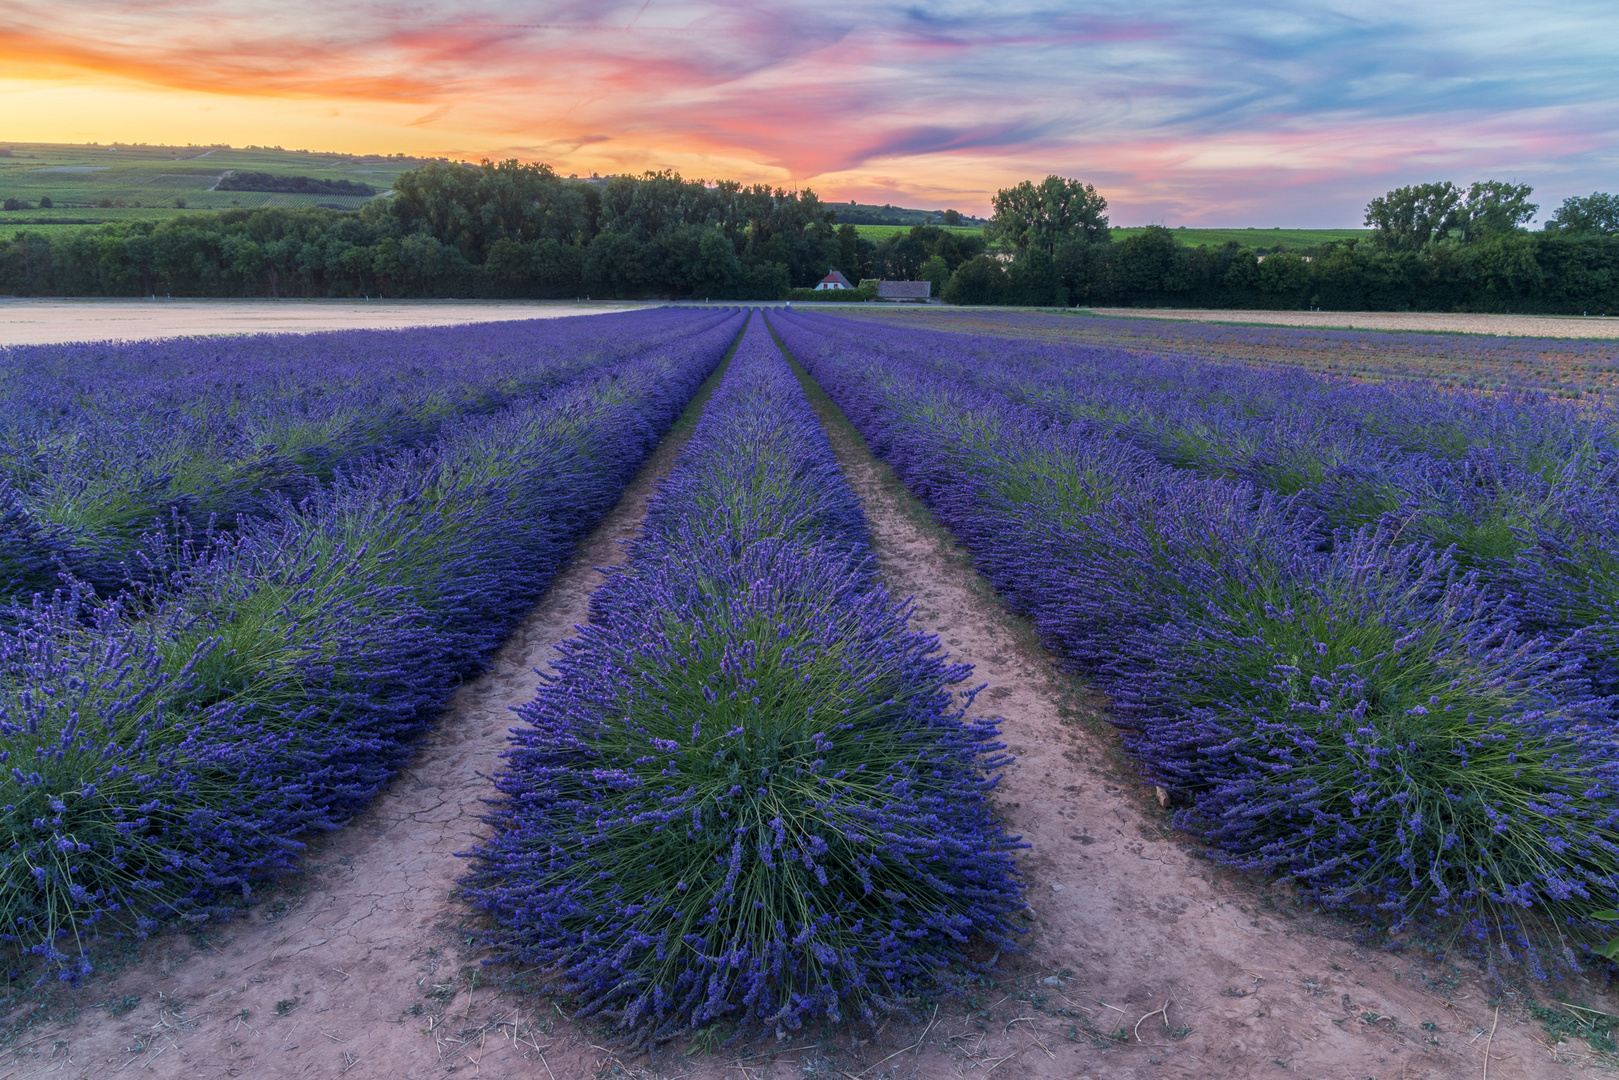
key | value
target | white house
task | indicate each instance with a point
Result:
(834, 280)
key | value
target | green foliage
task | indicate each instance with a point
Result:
(865, 291)
(1035, 282)
(510, 229)
(1056, 211)
(979, 281)
(937, 270)
(1409, 218)
(1594, 213)
(295, 185)
(1591, 1026)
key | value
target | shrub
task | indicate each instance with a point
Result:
(979, 280)
(99, 444)
(841, 296)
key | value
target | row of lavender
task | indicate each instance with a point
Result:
(748, 792)
(167, 750)
(1525, 489)
(97, 441)
(1347, 708)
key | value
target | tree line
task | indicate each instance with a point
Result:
(1432, 247)
(509, 230)
(496, 230)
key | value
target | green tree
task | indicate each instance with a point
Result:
(1145, 266)
(1494, 207)
(1283, 280)
(1055, 211)
(1594, 213)
(1410, 218)
(1035, 282)
(980, 280)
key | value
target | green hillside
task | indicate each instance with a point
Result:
(1264, 239)
(880, 232)
(1292, 239)
(96, 184)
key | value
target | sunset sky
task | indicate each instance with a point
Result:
(1203, 113)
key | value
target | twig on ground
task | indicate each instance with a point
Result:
(1599, 1012)
(1155, 1012)
(917, 1044)
(1491, 1042)
(273, 949)
(1002, 1061)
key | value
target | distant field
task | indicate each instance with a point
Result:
(880, 232)
(1293, 239)
(144, 182)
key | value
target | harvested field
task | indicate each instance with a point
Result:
(41, 322)
(1605, 325)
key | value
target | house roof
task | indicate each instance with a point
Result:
(904, 290)
(835, 278)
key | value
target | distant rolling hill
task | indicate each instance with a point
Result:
(95, 184)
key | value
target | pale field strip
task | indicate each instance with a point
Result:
(1558, 326)
(46, 322)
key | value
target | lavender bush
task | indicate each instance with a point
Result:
(167, 752)
(748, 792)
(1347, 708)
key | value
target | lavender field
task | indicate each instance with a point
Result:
(244, 577)
(1357, 633)
(1362, 633)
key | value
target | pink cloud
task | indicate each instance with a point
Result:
(1178, 112)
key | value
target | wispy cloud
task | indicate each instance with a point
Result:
(1249, 113)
